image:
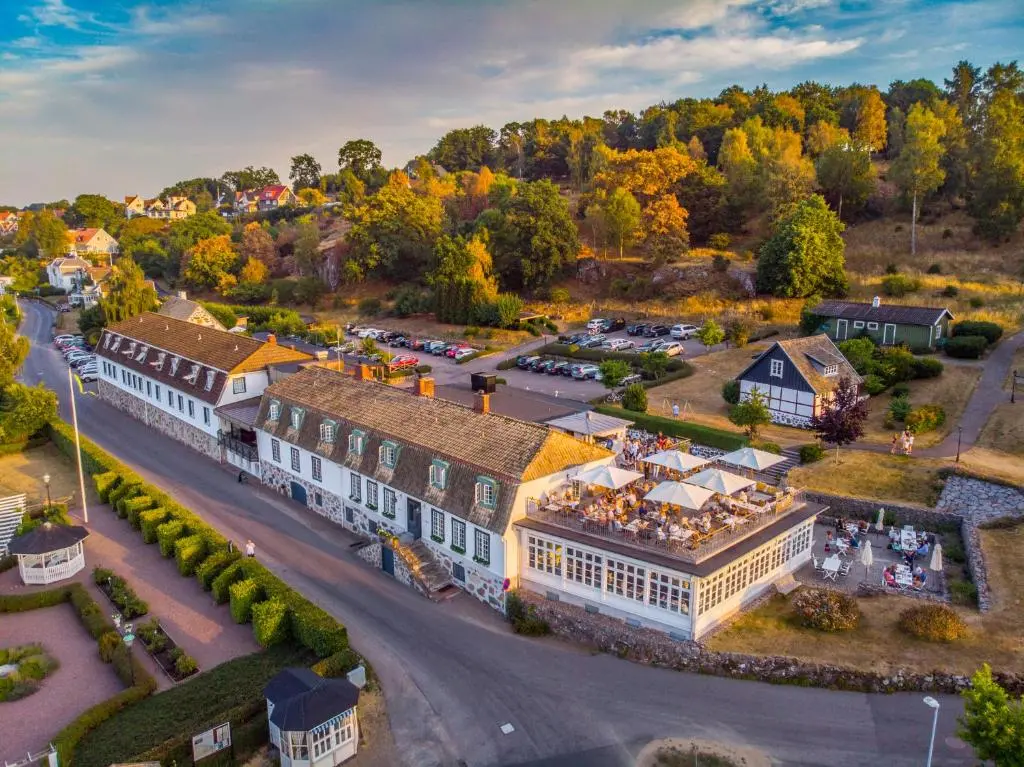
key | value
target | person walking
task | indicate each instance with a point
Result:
(250, 548)
(910, 444)
(675, 409)
(895, 444)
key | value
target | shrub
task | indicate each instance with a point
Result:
(927, 367)
(826, 610)
(933, 623)
(720, 263)
(873, 384)
(719, 241)
(990, 331)
(108, 644)
(213, 566)
(423, 369)
(244, 594)
(899, 285)
(560, 296)
(67, 739)
(270, 622)
(951, 291)
(731, 391)
(811, 453)
(925, 418)
(634, 398)
(123, 490)
(892, 268)
(338, 664)
(106, 482)
(966, 347)
(185, 664)
(369, 307)
(149, 521)
(976, 302)
(133, 506)
(93, 618)
(963, 593)
(221, 584)
(507, 364)
(935, 269)
(896, 363)
(189, 552)
(672, 427)
(769, 447)
(523, 617)
(947, 233)
(167, 534)
(121, 594)
(954, 552)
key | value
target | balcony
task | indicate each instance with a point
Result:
(246, 450)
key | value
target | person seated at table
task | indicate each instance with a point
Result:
(862, 527)
(889, 574)
(661, 534)
(908, 557)
(854, 542)
(894, 534)
(631, 498)
(674, 529)
(616, 525)
(922, 550)
(920, 577)
(840, 524)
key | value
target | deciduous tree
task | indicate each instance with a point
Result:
(249, 178)
(993, 723)
(362, 157)
(613, 371)
(95, 211)
(805, 253)
(259, 245)
(845, 174)
(997, 202)
(305, 172)
(208, 260)
(917, 171)
(311, 198)
(841, 421)
(128, 293)
(186, 232)
(664, 226)
(710, 334)
(621, 214)
(751, 414)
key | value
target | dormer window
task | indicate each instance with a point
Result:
(141, 356)
(388, 454)
(159, 362)
(106, 340)
(130, 350)
(486, 492)
(175, 361)
(831, 370)
(274, 411)
(776, 369)
(328, 432)
(356, 442)
(193, 374)
(439, 474)
(117, 343)
(296, 417)
(210, 375)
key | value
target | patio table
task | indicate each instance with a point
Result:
(908, 540)
(830, 568)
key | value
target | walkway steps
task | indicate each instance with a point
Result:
(791, 459)
(430, 576)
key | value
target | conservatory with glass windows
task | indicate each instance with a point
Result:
(313, 721)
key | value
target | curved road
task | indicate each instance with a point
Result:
(453, 673)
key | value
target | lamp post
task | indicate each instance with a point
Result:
(46, 481)
(933, 704)
(1013, 387)
(959, 434)
(129, 640)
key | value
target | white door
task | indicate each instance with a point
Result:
(888, 334)
(841, 326)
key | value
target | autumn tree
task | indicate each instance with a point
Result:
(250, 286)
(841, 421)
(845, 174)
(462, 278)
(305, 172)
(997, 201)
(621, 213)
(186, 232)
(917, 171)
(645, 175)
(664, 227)
(993, 722)
(737, 164)
(823, 135)
(695, 148)
(362, 157)
(805, 253)
(863, 115)
(43, 232)
(259, 245)
(307, 258)
(127, 293)
(473, 195)
(206, 262)
(311, 198)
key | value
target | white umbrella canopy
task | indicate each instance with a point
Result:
(680, 494)
(936, 564)
(867, 557)
(720, 481)
(611, 477)
(751, 458)
(676, 460)
(880, 521)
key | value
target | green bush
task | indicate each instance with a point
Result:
(963, 593)
(899, 408)
(270, 622)
(149, 521)
(189, 552)
(167, 533)
(951, 291)
(93, 617)
(874, 385)
(221, 584)
(185, 664)
(927, 367)
(213, 566)
(954, 552)
(338, 664)
(68, 739)
(106, 482)
(121, 594)
(423, 369)
(244, 594)
(704, 435)
(899, 285)
(731, 391)
(901, 389)
(507, 364)
(634, 398)
(121, 491)
(524, 618)
(935, 268)
(990, 331)
(769, 447)
(826, 610)
(976, 302)
(925, 418)
(966, 347)
(811, 453)
(133, 506)
(933, 623)
(108, 644)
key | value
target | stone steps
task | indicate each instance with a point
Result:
(425, 569)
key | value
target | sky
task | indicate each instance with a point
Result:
(119, 97)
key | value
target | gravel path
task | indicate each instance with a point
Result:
(82, 680)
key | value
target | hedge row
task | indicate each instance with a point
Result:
(185, 536)
(672, 427)
(129, 668)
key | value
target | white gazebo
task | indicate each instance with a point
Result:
(720, 481)
(49, 553)
(313, 721)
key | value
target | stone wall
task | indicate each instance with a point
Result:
(371, 554)
(655, 648)
(976, 562)
(980, 500)
(865, 508)
(480, 582)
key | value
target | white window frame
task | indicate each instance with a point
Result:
(439, 474)
(481, 546)
(486, 492)
(776, 370)
(437, 525)
(296, 459)
(275, 450)
(458, 535)
(274, 411)
(316, 468)
(237, 385)
(390, 508)
(356, 442)
(328, 432)
(295, 418)
(388, 454)
(355, 487)
(858, 324)
(191, 409)
(584, 567)
(872, 326)
(206, 416)
(372, 494)
(625, 580)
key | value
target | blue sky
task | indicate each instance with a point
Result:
(122, 97)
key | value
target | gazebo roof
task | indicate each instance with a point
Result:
(46, 538)
(306, 710)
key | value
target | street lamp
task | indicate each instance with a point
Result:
(129, 640)
(1013, 388)
(46, 481)
(934, 704)
(959, 434)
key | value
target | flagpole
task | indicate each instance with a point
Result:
(78, 446)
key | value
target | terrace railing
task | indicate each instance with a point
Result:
(246, 450)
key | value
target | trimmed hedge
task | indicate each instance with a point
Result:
(132, 507)
(116, 495)
(244, 594)
(338, 664)
(990, 331)
(966, 347)
(703, 435)
(189, 552)
(213, 566)
(270, 622)
(221, 584)
(105, 483)
(167, 535)
(149, 521)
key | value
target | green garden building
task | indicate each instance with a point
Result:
(919, 327)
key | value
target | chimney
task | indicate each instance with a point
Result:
(271, 339)
(482, 403)
(363, 373)
(183, 294)
(876, 302)
(425, 387)
(242, 322)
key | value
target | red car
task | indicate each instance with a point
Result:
(452, 350)
(401, 361)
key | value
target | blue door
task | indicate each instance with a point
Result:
(387, 560)
(298, 493)
(414, 522)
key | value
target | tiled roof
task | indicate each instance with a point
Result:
(98, 273)
(184, 309)
(804, 351)
(83, 236)
(902, 315)
(71, 264)
(426, 428)
(272, 192)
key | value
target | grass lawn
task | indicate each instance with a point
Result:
(996, 638)
(23, 473)
(873, 475)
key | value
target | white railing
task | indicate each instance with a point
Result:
(33, 576)
(12, 509)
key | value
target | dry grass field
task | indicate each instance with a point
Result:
(882, 477)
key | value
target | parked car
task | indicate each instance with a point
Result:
(464, 352)
(570, 370)
(558, 368)
(637, 328)
(584, 372)
(537, 363)
(89, 375)
(435, 347)
(402, 361)
(631, 379)
(545, 366)
(65, 338)
(614, 324)
(654, 331)
(596, 324)
(649, 346)
(452, 350)
(78, 362)
(683, 332)
(524, 362)
(618, 344)
(416, 344)
(672, 348)
(75, 354)
(593, 342)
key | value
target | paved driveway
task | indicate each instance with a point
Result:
(453, 673)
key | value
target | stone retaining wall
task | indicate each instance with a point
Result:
(371, 554)
(864, 508)
(976, 562)
(980, 500)
(657, 649)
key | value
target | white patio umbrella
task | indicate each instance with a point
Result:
(720, 481)
(680, 494)
(936, 564)
(867, 558)
(880, 521)
(610, 477)
(676, 460)
(751, 458)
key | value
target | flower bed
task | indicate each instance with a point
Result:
(27, 665)
(173, 660)
(119, 593)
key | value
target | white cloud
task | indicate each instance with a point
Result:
(790, 7)
(56, 13)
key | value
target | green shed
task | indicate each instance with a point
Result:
(919, 327)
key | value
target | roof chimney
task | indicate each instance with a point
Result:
(425, 387)
(876, 302)
(271, 339)
(363, 373)
(183, 294)
(482, 403)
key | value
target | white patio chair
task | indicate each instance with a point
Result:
(817, 563)
(844, 569)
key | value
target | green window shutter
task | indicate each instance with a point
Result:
(486, 492)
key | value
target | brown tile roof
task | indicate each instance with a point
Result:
(508, 450)
(184, 309)
(895, 313)
(805, 351)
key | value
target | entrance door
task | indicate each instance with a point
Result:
(298, 493)
(841, 326)
(888, 334)
(414, 524)
(387, 560)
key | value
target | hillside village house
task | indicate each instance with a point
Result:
(89, 292)
(919, 327)
(180, 308)
(5, 284)
(9, 222)
(267, 198)
(797, 378)
(92, 242)
(171, 209)
(67, 273)
(172, 375)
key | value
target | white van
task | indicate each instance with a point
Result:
(683, 332)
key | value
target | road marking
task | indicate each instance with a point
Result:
(507, 728)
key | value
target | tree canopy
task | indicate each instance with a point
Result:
(128, 294)
(805, 253)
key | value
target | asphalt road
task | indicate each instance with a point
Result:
(453, 673)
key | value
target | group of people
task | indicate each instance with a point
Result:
(638, 445)
(920, 577)
(902, 444)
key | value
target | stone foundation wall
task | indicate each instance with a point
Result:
(976, 563)
(480, 582)
(657, 649)
(980, 500)
(371, 554)
(158, 419)
(865, 508)
(790, 419)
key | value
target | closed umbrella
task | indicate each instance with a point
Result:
(880, 522)
(866, 557)
(610, 477)
(936, 564)
(680, 494)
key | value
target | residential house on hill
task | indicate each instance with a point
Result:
(95, 242)
(91, 290)
(171, 209)
(919, 327)
(172, 375)
(134, 205)
(797, 378)
(180, 308)
(267, 198)
(67, 273)
(9, 222)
